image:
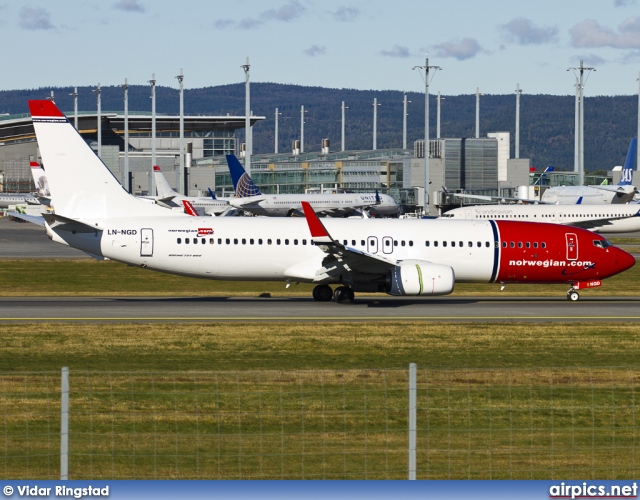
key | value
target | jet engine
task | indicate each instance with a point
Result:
(416, 277)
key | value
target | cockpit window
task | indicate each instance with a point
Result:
(602, 243)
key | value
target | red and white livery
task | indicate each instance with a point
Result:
(400, 257)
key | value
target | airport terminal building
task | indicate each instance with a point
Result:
(477, 165)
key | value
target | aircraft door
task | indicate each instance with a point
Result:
(387, 244)
(372, 244)
(572, 246)
(146, 242)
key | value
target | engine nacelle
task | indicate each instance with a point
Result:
(416, 277)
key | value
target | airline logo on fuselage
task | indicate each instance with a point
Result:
(205, 231)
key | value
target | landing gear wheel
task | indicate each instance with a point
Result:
(343, 294)
(322, 293)
(572, 295)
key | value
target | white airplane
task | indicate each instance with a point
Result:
(609, 219)
(601, 194)
(169, 198)
(95, 214)
(249, 198)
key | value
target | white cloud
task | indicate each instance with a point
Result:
(129, 6)
(589, 33)
(524, 32)
(286, 13)
(315, 50)
(35, 18)
(397, 51)
(465, 48)
(346, 14)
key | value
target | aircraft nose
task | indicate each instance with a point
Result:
(623, 260)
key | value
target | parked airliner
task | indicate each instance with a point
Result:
(169, 198)
(609, 219)
(94, 213)
(249, 198)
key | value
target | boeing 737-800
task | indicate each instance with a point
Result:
(94, 213)
(249, 198)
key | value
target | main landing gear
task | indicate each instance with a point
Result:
(323, 293)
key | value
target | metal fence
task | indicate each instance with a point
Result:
(551, 423)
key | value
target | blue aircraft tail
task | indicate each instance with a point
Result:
(627, 170)
(242, 183)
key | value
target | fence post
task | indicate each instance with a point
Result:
(64, 425)
(413, 421)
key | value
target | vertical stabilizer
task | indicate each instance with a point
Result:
(162, 184)
(242, 183)
(627, 170)
(82, 187)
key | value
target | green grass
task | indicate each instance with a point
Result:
(283, 400)
(92, 278)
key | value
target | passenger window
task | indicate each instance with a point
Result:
(235, 241)
(353, 243)
(195, 241)
(219, 241)
(444, 243)
(426, 243)
(304, 242)
(251, 241)
(362, 243)
(395, 243)
(461, 243)
(228, 241)
(259, 241)
(512, 244)
(387, 243)
(269, 241)
(244, 241)
(186, 240)
(410, 243)
(402, 242)
(295, 242)
(535, 244)
(286, 241)
(478, 244)
(278, 241)
(211, 241)
(544, 245)
(435, 243)
(179, 240)
(487, 244)
(345, 243)
(470, 244)
(527, 244)
(519, 244)
(203, 241)
(504, 244)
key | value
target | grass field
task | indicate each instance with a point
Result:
(284, 400)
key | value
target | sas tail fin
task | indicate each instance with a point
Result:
(627, 171)
(242, 183)
(82, 187)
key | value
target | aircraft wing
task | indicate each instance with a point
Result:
(340, 258)
(605, 221)
(34, 219)
(243, 203)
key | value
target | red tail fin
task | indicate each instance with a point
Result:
(188, 208)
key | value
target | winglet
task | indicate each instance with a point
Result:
(579, 202)
(378, 200)
(319, 233)
(188, 208)
(212, 194)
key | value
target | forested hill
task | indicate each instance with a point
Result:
(546, 121)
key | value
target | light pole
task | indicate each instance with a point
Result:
(375, 123)
(75, 107)
(478, 94)
(343, 115)
(404, 121)
(302, 112)
(426, 68)
(275, 148)
(580, 83)
(247, 119)
(438, 101)
(152, 190)
(518, 93)
(125, 88)
(98, 91)
(180, 176)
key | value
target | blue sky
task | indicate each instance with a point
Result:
(370, 44)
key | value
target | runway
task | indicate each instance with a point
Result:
(383, 308)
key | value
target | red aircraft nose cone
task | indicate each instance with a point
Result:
(624, 260)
